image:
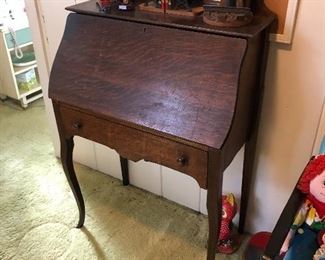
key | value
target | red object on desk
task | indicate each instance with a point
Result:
(104, 5)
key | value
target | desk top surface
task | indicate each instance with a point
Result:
(183, 22)
(167, 81)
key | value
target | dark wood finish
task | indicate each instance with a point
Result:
(125, 170)
(259, 23)
(214, 200)
(249, 154)
(167, 90)
(284, 224)
(250, 146)
(67, 164)
(125, 69)
(135, 145)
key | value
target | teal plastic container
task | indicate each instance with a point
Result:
(22, 36)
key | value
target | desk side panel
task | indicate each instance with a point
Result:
(248, 94)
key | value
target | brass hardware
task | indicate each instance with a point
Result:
(181, 160)
(77, 125)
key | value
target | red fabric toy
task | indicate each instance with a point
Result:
(227, 243)
(301, 241)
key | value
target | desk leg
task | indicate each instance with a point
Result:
(250, 146)
(214, 202)
(67, 163)
(249, 155)
(125, 170)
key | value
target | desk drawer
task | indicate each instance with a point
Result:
(135, 144)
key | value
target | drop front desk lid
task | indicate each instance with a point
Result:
(167, 75)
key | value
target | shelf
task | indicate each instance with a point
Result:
(26, 93)
(23, 36)
(19, 70)
(10, 74)
(21, 46)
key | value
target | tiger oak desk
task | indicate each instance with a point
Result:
(167, 89)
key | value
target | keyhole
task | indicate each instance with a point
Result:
(144, 29)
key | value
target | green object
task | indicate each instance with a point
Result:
(23, 36)
(26, 86)
(26, 81)
(27, 59)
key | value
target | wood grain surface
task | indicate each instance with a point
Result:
(180, 83)
(135, 144)
(164, 89)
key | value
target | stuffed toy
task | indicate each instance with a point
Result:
(301, 241)
(320, 253)
(227, 243)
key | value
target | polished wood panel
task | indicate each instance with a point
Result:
(135, 145)
(214, 200)
(122, 67)
(66, 151)
(165, 89)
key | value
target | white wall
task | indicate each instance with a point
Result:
(295, 89)
(291, 112)
(320, 137)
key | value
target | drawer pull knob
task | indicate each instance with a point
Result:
(77, 125)
(181, 160)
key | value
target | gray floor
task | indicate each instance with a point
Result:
(38, 212)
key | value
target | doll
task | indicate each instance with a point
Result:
(320, 253)
(301, 241)
(227, 244)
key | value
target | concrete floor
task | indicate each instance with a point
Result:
(38, 211)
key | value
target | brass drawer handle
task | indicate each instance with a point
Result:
(77, 125)
(182, 160)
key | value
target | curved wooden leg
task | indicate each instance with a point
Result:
(125, 170)
(67, 163)
(214, 202)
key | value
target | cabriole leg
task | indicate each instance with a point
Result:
(67, 163)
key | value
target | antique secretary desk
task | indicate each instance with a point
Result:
(167, 89)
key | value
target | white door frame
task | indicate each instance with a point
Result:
(36, 23)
